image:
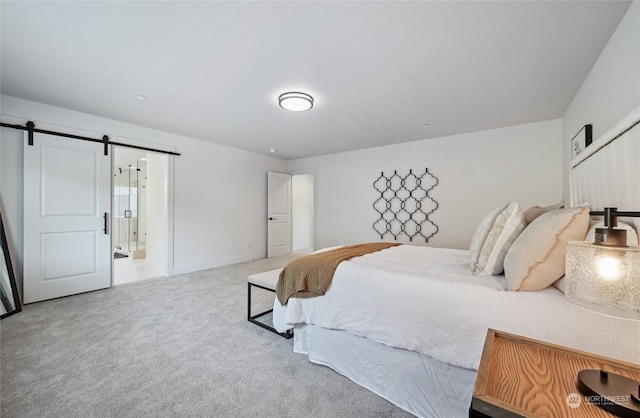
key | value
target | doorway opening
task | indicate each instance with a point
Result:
(138, 219)
(303, 212)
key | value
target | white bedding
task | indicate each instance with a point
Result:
(412, 381)
(427, 300)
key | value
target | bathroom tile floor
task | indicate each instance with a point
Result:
(127, 270)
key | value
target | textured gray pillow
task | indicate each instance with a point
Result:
(493, 237)
(536, 258)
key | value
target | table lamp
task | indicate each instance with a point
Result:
(604, 277)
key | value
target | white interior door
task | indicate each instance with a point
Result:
(67, 198)
(279, 214)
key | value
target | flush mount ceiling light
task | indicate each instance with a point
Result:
(295, 101)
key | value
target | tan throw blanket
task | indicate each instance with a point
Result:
(311, 275)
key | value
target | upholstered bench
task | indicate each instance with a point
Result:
(267, 281)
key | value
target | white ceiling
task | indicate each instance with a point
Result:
(378, 71)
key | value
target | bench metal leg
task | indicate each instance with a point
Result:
(252, 318)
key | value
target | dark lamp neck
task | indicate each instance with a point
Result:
(610, 236)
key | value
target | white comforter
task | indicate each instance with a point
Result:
(427, 300)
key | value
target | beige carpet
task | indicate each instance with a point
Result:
(166, 347)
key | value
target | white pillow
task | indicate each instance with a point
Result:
(632, 236)
(493, 237)
(536, 258)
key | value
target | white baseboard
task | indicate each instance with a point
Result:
(190, 268)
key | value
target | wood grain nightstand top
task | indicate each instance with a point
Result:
(522, 377)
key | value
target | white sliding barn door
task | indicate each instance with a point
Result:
(67, 198)
(279, 214)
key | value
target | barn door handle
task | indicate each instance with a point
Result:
(106, 223)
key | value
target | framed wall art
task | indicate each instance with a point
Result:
(581, 140)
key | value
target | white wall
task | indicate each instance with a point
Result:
(219, 201)
(611, 90)
(477, 172)
(302, 203)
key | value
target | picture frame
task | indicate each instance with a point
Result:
(581, 140)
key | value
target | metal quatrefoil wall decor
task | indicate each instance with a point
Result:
(404, 205)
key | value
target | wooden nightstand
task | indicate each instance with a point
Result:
(521, 377)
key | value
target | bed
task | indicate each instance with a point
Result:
(409, 322)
